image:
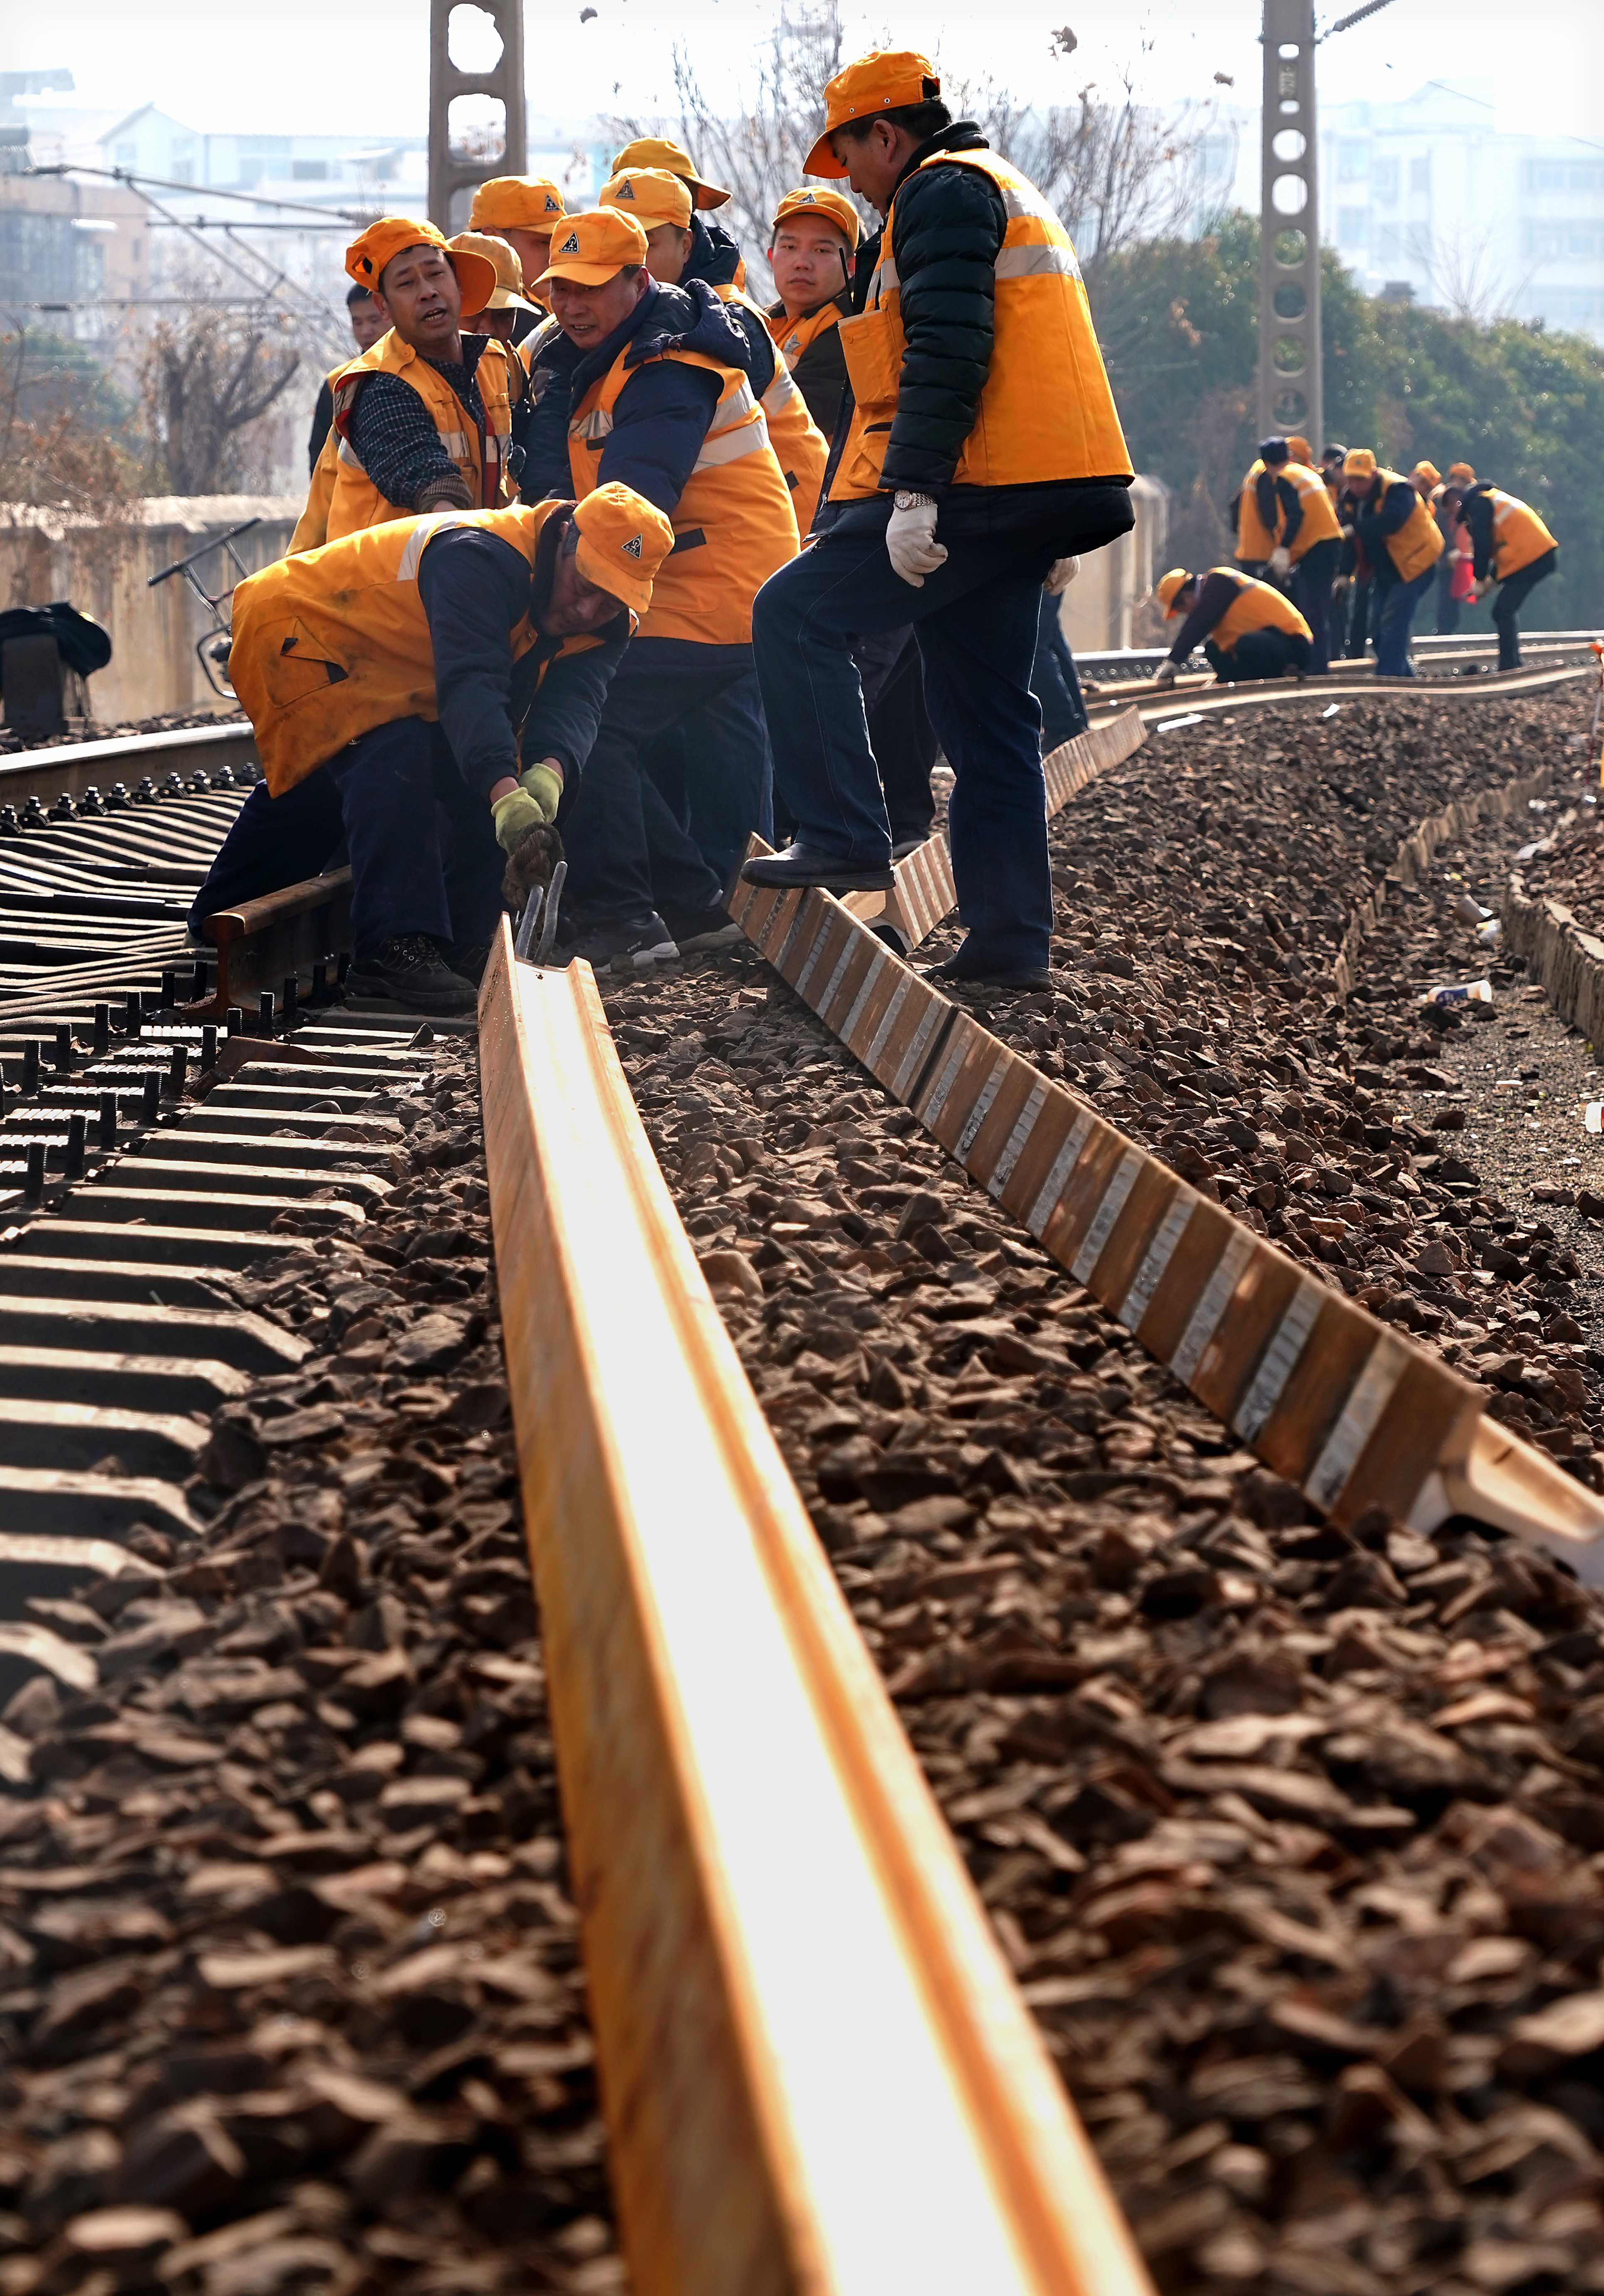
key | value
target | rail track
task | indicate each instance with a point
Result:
(758, 2045)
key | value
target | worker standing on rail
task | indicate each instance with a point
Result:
(1401, 544)
(651, 386)
(1246, 628)
(427, 689)
(1294, 502)
(1513, 551)
(523, 210)
(982, 451)
(424, 417)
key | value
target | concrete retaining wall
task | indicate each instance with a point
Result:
(103, 571)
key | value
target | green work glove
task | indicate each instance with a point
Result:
(515, 816)
(545, 787)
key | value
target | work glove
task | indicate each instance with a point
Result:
(1280, 561)
(1163, 677)
(515, 816)
(448, 492)
(1060, 574)
(1483, 589)
(911, 545)
(529, 862)
(545, 787)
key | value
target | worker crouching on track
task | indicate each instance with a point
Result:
(983, 449)
(389, 677)
(1401, 543)
(1246, 628)
(649, 386)
(1513, 551)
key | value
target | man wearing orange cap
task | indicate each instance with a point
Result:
(982, 453)
(424, 420)
(523, 210)
(650, 385)
(1401, 543)
(509, 310)
(1512, 551)
(811, 251)
(425, 689)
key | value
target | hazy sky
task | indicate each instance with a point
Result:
(361, 65)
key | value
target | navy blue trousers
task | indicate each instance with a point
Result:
(976, 620)
(1311, 593)
(1054, 681)
(424, 854)
(718, 776)
(1394, 614)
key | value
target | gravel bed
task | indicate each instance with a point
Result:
(90, 729)
(1294, 1837)
(1571, 867)
(290, 1994)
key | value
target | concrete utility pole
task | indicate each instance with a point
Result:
(447, 175)
(1291, 396)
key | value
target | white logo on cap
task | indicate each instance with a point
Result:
(626, 190)
(571, 245)
(631, 549)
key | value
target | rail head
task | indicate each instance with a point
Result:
(817, 2073)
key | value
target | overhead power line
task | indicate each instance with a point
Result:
(1357, 17)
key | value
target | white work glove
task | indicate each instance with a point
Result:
(1483, 589)
(910, 542)
(1280, 560)
(1164, 675)
(1060, 574)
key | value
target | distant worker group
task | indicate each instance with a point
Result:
(1336, 562)
(594, 544)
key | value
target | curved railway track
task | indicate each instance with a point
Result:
(759, 2045)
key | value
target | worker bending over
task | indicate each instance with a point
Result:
(423, 419)
(649, 385)
(1400, 544)
(1513, 551)
(427, 689)
(981, 450)
(1246, 628)
(1294, 502)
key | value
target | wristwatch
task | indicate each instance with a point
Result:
(905, 499)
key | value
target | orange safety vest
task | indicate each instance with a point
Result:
(1419, 541)
(330, 643)
(799, 446)
(1321, 523)
(792, 337)
(1519, 536)
(356, 502)
(1255, 540)
(1259, 606)
(1046, 411)
(734, 525)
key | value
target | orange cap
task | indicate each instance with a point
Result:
(1359, 462)
(658, 151)
(523, 203)
(884, 80)
(383, 242)
(829, 207)
(592, 248)
(1429, 471)
(623, 541)
(652, 195)
(1461, 474)
(1298, 448)
(1168, 588)
(503, 260)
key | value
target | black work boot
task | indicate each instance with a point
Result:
(410, 972)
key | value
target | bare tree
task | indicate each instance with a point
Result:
(1468, 273)
(210, 373)
(55, 455)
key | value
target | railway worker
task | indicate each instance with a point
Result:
(312, 527)
(1401, 543)
(1308, 552)
(366, 326)
(1512, 551)
(658, 151)
(981, 450)
(523, 210)
(654, 387)
(425, 689)
(423, 418)
(1255, 510)
(509, 307)
(812, 248)
(1246, 628)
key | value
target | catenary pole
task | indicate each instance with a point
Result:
(450, 173)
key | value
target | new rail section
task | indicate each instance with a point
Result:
(816, 2069)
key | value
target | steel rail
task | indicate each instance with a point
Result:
(1324, 1393)
(1204, 697)
(817, 2073)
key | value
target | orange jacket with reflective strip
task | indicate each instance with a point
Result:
(799, 446)
(356, 502)
(1419, 541)
(330, 643)
(1046, 411)
(1259, 606)
(1321, 522)
(1520, 537)
(734, 525)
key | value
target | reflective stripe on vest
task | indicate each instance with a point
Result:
(1046, 413)
(356, 502)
